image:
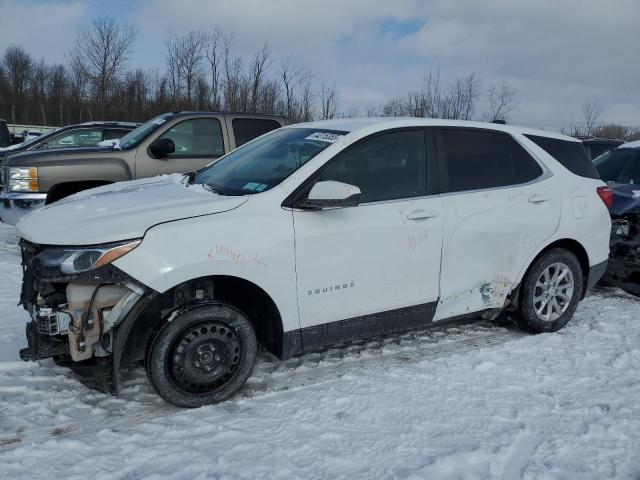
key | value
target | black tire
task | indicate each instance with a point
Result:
(527, 316)
(202, 356)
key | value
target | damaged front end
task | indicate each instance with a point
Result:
(623, 269)
(76, 299)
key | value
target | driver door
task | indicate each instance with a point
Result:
(373, 268)
(198, 142)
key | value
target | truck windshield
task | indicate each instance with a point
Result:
(134, 137)
(262, 164)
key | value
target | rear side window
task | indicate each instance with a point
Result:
(571, 155)
(476, 159)
(246, 129)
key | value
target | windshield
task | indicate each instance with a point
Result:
(619, 166)
(38, 138)
(262, 164)
(134, 137)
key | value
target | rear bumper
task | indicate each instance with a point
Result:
(14, 206)
(595, 273)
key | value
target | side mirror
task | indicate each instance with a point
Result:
(331, 194)
(161, 147)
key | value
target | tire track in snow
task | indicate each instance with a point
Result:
(273, 377)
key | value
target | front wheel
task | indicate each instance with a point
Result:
(550, 292)
(202, 356)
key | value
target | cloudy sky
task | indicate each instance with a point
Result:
(557, 54)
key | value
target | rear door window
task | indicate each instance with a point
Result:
(572, 155)
(246, 129)
(475, 159)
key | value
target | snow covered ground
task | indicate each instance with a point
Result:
(470, 402)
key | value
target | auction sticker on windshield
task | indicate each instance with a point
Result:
(324, 136)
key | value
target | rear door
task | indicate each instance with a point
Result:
(498, 209)
(373, 268)
(198, 140)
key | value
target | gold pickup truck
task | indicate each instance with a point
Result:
(169, 143)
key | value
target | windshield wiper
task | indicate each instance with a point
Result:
(213, 189)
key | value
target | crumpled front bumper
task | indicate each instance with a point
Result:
(75, 313)
(14, 206)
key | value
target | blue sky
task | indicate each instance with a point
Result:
(557, 55)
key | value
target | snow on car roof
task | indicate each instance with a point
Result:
(635, 144)
(382, 123)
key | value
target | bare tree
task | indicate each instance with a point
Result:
(502, 101)
(306, 102)
(591, 112)
(292, 77)
(184, 63)
(38, 83)
(258, 66)
(329, 100)
(17, 65)
(459, 101)
(103, 50)
(213, 54)
(236, 85)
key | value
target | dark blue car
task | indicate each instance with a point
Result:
(620, 168)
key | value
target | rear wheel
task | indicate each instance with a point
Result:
(202, 356)
(550, 292)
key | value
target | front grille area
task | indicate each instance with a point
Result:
(28, 295)
(49, 322)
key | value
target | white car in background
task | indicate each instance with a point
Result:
(312, 235)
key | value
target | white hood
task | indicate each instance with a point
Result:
(121, 211)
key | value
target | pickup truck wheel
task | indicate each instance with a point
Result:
(551, 292)
(202, 356)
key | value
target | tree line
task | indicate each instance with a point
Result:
(203, 72)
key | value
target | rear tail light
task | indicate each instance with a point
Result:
(606, 194)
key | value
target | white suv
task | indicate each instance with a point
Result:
(312, 235)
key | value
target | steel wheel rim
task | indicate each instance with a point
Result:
(204, 358)
(553, 292)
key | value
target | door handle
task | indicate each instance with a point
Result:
(539, 198)
(421, 215)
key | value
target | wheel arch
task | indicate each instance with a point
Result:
(569, 244)
(135, 332)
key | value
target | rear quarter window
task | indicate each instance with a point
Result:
(571, 155)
